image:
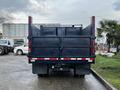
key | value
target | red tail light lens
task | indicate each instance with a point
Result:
(93, 46)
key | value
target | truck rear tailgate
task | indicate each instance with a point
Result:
(60, 47)
(61, 42)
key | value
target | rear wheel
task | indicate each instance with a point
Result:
(1, 51)
(19, 52)
(42, 75)
(6, 51)
(40, 69)
(77, 73)
(82, 76)
(45, 74)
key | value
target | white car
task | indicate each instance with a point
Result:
(20, 50)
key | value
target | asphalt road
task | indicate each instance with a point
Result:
(16, 74)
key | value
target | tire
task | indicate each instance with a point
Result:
(42, 75)
(1, 51)
(81, 76)
(19, 52)
(41, 70)
(78, 75)
(6, 51)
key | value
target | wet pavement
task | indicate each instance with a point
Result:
(16, 74)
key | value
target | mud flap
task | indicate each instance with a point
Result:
(82, 69)
(38, 68)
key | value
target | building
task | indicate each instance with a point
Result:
(18, 30)
(15, 31)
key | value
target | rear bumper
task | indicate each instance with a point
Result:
(84, 60)
(62, 62)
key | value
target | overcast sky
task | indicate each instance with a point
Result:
(60, 11)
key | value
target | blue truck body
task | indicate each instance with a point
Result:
(61, 48)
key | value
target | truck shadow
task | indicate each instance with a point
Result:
(61, 80)
(61, 74)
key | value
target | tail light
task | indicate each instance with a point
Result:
(55, 59)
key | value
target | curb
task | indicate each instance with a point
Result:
(103, 81)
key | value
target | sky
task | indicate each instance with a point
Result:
(59, 11)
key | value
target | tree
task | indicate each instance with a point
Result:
(117, 38)
(112, 28)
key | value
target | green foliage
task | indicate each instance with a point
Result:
(109, 69)
(113, 31)
(117, 56)
(99, 31)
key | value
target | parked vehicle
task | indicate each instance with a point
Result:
(113, 49)
(61, 48)
(20, 50)
(18, 42)
(6, 46)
